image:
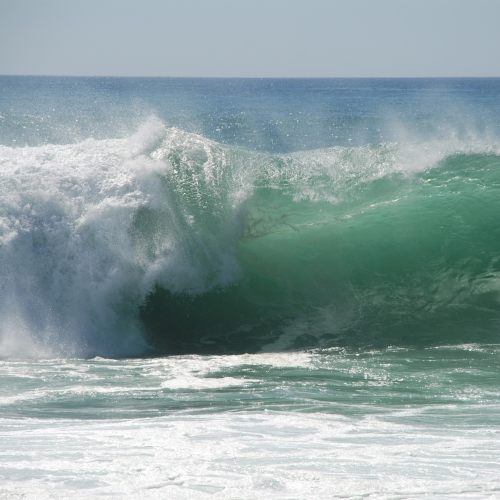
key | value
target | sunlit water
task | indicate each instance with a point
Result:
(249, 289)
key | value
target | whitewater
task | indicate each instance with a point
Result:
(249, 288)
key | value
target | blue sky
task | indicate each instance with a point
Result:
(251, 38)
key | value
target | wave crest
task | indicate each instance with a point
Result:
(109, 246)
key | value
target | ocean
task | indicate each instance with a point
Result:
(249, 288)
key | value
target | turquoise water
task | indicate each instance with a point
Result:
(249, 288)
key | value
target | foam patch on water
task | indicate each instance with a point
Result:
(208, 372)
(256, 456)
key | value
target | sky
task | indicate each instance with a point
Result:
(251, 38)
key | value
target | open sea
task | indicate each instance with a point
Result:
(249, 289)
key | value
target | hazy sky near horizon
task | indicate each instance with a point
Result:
(250, 38)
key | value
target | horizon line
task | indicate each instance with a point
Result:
(253, 77)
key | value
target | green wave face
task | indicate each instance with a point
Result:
(374, 246)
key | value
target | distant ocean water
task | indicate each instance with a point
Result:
(249, 289)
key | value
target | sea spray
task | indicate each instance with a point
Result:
(79, 252)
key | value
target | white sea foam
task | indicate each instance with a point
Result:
(336, 174)
(401, 423)
(254, 456)
(72, 274)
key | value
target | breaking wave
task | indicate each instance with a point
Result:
(168, 242)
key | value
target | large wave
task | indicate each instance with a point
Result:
(168, 242)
